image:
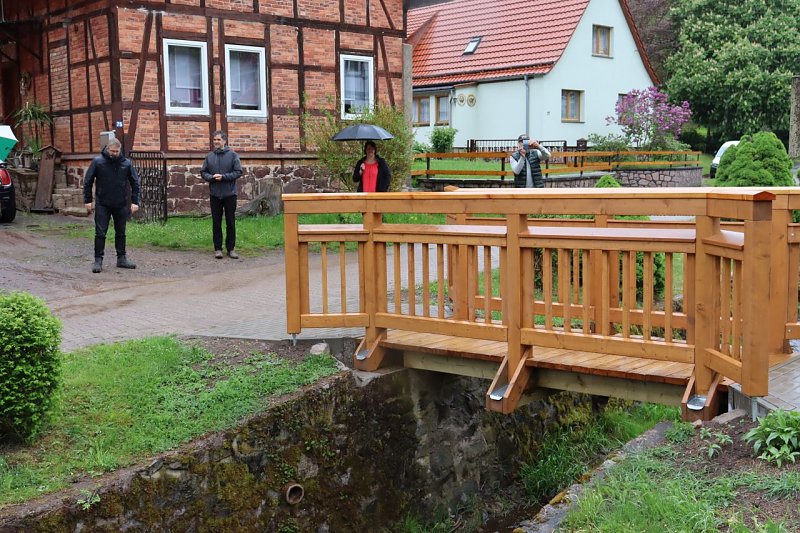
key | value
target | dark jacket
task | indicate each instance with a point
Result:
(384, 175)
(112, 174)
(225, 162)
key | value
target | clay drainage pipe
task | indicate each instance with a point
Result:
(293, 493)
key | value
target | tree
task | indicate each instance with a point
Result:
(735, 61)
(648, 120)
(655, 27)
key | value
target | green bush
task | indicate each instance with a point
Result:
(442, 139)
(607, 182)
(30, 364)
(777, 436)
(607, 143)
(421, 147)
(758, 160)
(337, 159)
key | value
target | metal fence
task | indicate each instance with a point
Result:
(152, 170)
(508, 145)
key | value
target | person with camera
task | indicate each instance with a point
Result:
(526, 162)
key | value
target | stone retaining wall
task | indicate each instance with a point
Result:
(669, 177)
(188, 193)
(360, 451)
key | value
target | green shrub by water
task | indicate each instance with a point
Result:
(30, 365)
(124, 402)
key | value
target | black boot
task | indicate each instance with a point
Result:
(122, 262)
(98, 265)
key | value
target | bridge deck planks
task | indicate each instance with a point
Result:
(552, 358)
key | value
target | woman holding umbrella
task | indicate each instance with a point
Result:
(371, 172)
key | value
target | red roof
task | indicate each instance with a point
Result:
(518, 37)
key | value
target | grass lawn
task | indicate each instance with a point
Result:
(121, 403)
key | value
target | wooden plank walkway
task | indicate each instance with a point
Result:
(615, 366)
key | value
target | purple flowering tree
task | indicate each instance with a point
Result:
(648, 120)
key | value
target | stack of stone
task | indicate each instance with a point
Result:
(67, 200)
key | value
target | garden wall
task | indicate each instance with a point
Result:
(670, 177)
(355, 452)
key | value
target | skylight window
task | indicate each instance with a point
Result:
(472, 45)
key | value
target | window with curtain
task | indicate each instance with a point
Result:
(442, 109)
(246, 81)
(571, 105)
(421, 111)
(186, 74)
(356, 85)
(601, 41)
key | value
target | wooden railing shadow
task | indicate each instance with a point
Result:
(552, 284)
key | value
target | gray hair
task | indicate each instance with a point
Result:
(221, 134)
(114, 142)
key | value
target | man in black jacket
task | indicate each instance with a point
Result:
(112, 173)
(221, 169)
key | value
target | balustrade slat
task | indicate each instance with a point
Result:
(547, 287)
(487, 284)
(563, 287)
(725, 305)
(441, 285)
(398, 287)
(305, 300)
(626, 293)
(472, 282)
(382, 298)
(412, 280)
(717, 304)
(342, 279)
(526, 287)
(362, 279)
(668, 275)
(587, 290)
(605, 297)
(324, 273)
(648, 286)
(576, 276)
(689, 262)
(426, 277)
(736, 349)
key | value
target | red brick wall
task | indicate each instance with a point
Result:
(85, 106)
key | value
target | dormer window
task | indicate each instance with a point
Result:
(472, 45)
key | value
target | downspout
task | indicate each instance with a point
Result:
(527, 106)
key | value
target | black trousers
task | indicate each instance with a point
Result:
(102, 215)
(228, 206)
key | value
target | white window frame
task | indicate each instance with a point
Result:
(204, 110)
(343, 58)
(262, 66)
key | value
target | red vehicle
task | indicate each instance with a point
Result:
(8, 208)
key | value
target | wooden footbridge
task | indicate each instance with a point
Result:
(558, 289)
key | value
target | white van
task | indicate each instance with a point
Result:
(718, 156)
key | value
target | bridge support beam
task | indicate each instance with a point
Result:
(705, 405)
(504, 394)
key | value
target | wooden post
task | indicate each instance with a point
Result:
(292, 262)
(755, 357)
(512, 278)
(706, 315)
(372, 220)
(779, 277)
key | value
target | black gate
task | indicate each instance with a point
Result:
(152, 169)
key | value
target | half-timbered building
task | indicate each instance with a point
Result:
(164, 74)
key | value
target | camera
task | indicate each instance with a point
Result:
(526, 144)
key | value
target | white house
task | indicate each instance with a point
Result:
(551, 68)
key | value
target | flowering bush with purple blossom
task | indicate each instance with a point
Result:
(648, 120)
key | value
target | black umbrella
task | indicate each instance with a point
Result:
(362, 132)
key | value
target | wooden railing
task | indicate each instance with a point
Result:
(561, 162)
(562, 283)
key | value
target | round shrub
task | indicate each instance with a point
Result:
(607, 182)
(442, 139)
(30, 364)
(759, 160)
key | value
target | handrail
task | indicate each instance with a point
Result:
(566, 283)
